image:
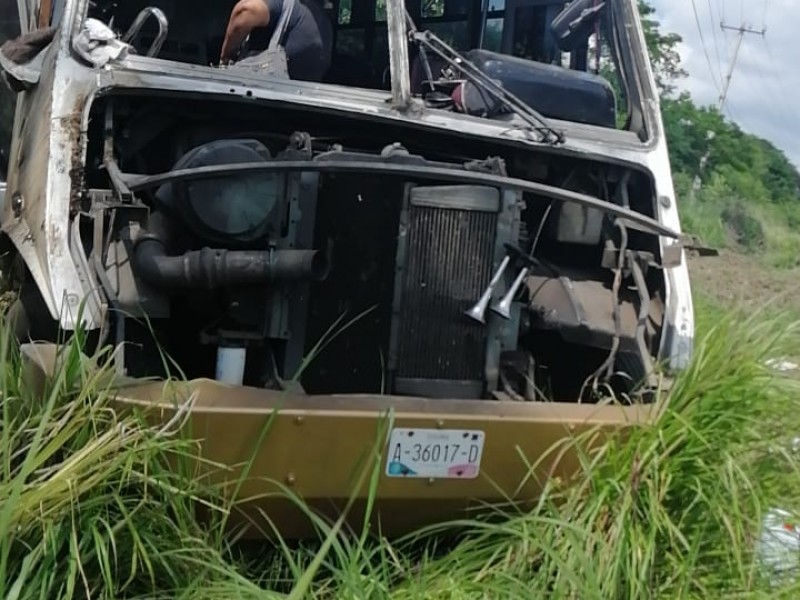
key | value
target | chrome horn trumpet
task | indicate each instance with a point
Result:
(478, 311)
(503, 308)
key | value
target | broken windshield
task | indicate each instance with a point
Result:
(560, 59)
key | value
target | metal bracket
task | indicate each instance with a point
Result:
(163, 29)
(695, 244)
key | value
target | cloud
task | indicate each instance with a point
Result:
(766, 78)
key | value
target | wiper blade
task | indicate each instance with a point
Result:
(539, 123)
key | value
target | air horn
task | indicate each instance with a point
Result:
(478, 311)
(503, 308)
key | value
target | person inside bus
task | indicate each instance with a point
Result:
(307, 38)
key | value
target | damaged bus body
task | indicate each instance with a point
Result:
(468, 230)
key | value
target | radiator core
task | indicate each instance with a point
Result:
(446, 254)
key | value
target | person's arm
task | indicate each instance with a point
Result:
(246, 16)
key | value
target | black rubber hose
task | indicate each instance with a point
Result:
(212, 268)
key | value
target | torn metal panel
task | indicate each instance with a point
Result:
(581, 310)
(43, 165)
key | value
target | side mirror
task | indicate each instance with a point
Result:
(574, 24)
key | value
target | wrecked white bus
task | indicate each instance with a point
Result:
(468, 224)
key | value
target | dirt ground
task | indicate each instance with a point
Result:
(738, 280)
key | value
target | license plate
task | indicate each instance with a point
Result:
(434, 453)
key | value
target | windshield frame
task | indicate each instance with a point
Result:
(640, 92)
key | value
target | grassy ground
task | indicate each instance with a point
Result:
(769, 234)
(744, 282)
(88, 507)
(759, 263)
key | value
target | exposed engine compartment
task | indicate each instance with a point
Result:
(358, 281)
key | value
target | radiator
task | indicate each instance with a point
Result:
(447, 252)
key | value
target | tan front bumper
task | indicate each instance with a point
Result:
(317, 445)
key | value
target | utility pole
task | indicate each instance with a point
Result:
(742, 29)
(723, 96)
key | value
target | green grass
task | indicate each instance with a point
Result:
(782, 234)
(89, 508)
(771, 232)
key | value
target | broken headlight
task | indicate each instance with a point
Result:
(237, 209)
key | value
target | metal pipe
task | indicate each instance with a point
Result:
(631, 218)
(23, 11)
(484, 18)
(215, 268)
(163, 29)
(398, 53)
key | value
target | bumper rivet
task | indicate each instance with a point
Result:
(290, 479)
(299, 420)
(439, 424)
(431, 480)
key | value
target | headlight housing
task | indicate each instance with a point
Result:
(233, 210)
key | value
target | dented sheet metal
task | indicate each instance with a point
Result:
(314, 445)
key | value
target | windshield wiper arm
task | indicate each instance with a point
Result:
(431, 41)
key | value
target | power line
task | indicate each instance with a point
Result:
(705, 47)
(714, 33)
(775, 88)
(723, 95)
(742, 30)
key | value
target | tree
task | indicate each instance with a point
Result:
(664, 55)
(745, 165)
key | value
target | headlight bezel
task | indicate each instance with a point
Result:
(231, 210)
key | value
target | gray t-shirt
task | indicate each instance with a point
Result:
(307, 40)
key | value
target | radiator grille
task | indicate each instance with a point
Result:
(449, 263)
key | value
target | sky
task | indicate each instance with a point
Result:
(764, 93)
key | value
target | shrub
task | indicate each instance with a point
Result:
(747, 229)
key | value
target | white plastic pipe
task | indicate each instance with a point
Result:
(230, 365)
